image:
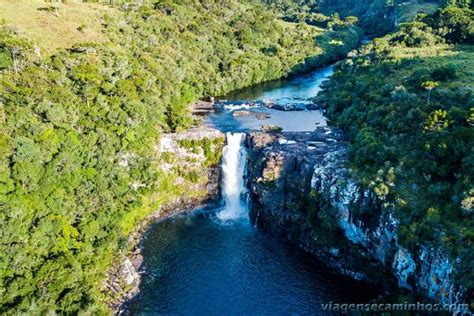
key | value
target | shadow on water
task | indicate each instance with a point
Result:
(214, 262)
(303, 86)
(197, 264)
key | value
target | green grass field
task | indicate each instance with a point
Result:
(50, 30)
(441, 55)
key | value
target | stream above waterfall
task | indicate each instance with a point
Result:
(293, 92)
(213, 261)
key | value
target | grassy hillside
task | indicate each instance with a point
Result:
(78, 125)
(407, 11)
(37, 20)
(406, 102)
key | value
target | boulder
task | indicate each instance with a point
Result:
(241, 113)
(268, 128)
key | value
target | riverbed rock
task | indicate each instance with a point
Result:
(203, 108)
(241, 113)
(262, 116)
(293, 104)
(285, 104)
(129, 273)
(268, 128)
(258, 115)
(301, 191)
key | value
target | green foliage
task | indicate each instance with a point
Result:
(374, 16)
(415, 34)
(457, 3)
(78, 169)
(455, 24)
(206, 146)
(320, 213)
(12, 50)
(445, 73)
(417, 155)
(6, 59)
(437, 121)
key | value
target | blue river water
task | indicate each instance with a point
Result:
(215, 262)
(196, 264)
(294, 90)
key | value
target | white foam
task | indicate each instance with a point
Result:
(233, 185)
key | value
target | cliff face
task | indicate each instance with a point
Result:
(190, 163)
(302, 192)
(192, 158)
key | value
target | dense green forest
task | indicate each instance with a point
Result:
(78, 125)
(406, 102)
(376, 17)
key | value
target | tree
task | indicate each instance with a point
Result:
(457, 3)
(437, 121)
(429, 85)
(455, 24)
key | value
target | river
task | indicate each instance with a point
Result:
(295, 91)
(215, 262)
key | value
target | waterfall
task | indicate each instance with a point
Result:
(233, 185)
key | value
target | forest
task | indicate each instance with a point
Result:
(82, 109)
(78, 124)
(406, 103)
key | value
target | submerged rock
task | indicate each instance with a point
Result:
(241, 113)
(258, 115)
(261, 115)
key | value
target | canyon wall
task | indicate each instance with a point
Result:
(302, 192)
(189, 162)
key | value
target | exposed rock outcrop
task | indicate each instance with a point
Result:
(202, 108)
(281, 168)
(180, 154)
(302, 192)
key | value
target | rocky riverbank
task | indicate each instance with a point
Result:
(197, 152)
(285, 104)
(302, 192)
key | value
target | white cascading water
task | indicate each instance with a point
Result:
(233, 185)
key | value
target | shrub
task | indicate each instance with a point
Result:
(445, 73)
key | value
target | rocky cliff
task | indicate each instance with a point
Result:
(302, 192)
(189, 161)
